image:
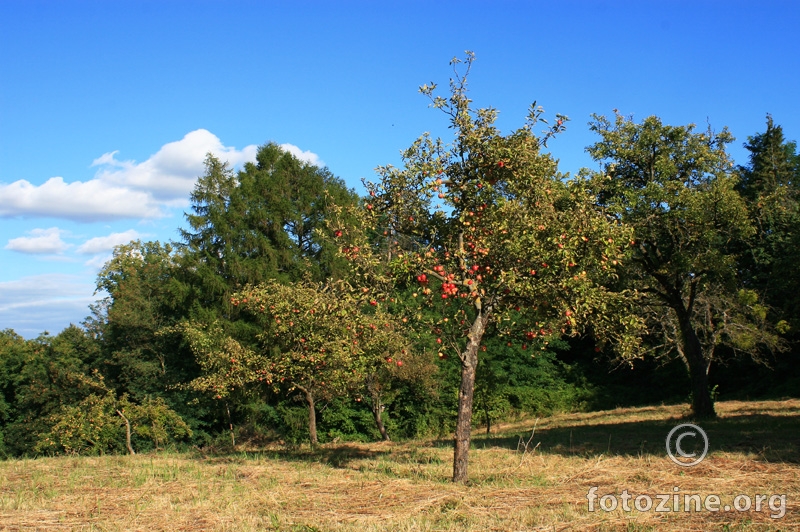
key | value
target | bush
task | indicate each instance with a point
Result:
(95, 427)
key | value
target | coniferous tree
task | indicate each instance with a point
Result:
(771, 185)
(259, 225)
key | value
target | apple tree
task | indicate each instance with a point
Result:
(321, 340)
(494, 238)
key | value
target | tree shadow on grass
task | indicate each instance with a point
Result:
(334, 455)
(773, 438)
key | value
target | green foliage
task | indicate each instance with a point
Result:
(48, 373)
(56, 400)
(90, 427)
(96, 426)
(526, 379)
(675, 187)
(293, 422)
(770, 185)
(146, 296)
(344, 419)
(259, 225)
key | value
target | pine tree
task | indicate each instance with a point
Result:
(771, 185)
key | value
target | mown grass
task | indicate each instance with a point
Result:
(755, 449)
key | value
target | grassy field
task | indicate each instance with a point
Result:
(754, 450)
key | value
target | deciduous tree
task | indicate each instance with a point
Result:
(495, 239)
(675, 187)
(321, 340)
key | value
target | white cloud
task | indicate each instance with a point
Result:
(307, 156)
(41, 241)
(171, 173)
(102, 244)
(82, 201)
(123, 189)
(49, 302)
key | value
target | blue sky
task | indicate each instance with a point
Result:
(107, 108)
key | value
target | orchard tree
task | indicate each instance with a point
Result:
(322, 340)
(494, 238)
(95, 426)
(675, 187)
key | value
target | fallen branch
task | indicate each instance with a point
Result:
(524, 443)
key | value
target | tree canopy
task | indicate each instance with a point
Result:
(676, 189)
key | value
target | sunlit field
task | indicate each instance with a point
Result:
(521, 479)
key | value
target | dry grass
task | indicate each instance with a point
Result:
(755, 449)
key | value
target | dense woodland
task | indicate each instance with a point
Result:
(475, 284)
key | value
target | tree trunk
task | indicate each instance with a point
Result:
(377, 406)
(702, 404)
(466, 394)
(312, 416)
(127, 432)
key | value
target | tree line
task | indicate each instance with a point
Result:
(472, 284)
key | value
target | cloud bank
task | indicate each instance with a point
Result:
(41, 242)
(170, 174)
(124, 189)
(87, 201)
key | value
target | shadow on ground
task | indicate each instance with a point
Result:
(771, 437)
(335, 455)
